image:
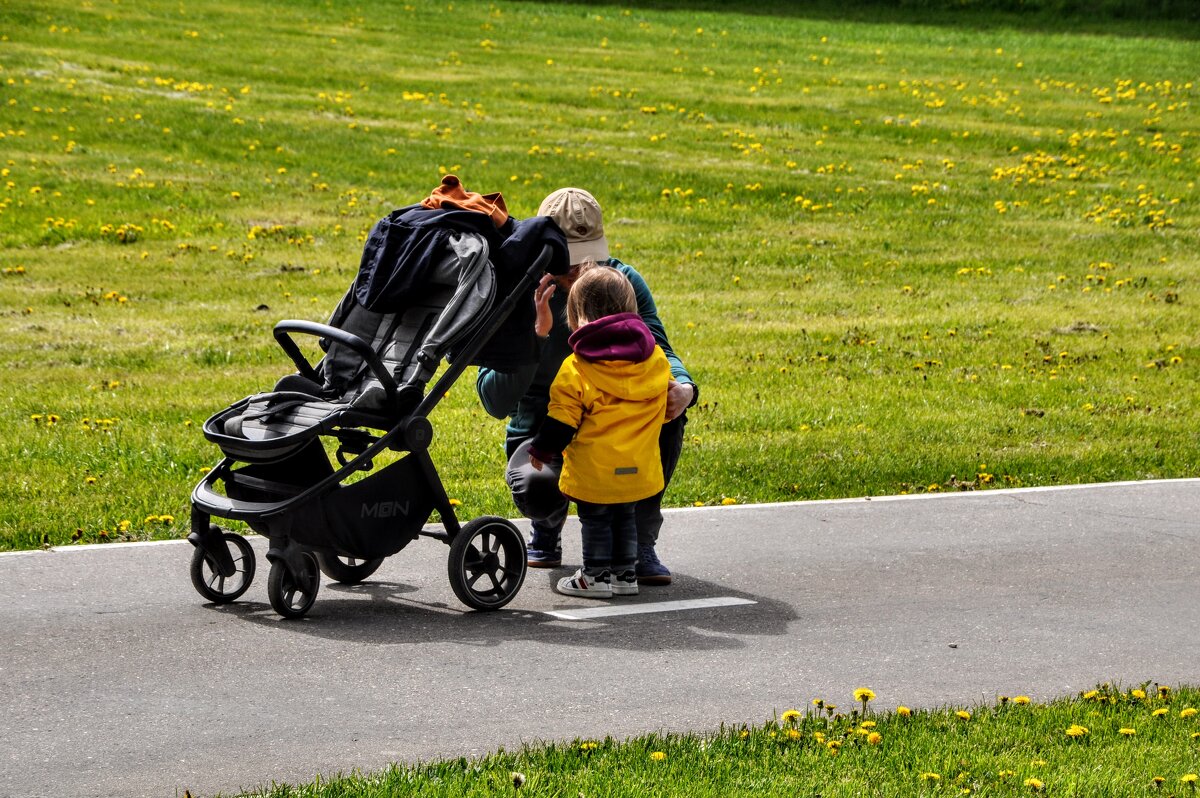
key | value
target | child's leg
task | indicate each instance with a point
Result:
(625, 549)
(596, 522)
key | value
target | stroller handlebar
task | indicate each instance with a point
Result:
(361, 347)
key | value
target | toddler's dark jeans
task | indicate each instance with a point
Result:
(609, 537)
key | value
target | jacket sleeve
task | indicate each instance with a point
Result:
(564, 414)
(649, 313)
(500, 391)
(551, 439)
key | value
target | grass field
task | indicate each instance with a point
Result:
(1142, 741)
(911, 254)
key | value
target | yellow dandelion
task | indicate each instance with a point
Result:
(1127, 732)
(1021, 700)
(962, 714)
(863, 694)
(1137, 695)
(903, 711)
(874, 738)
(791, 716)
(1160, 712)
(793, 734)
(1034, 784)
(1077, 731)
(1187, 713)
(1189, 778)
(658, 756)
(930, 777)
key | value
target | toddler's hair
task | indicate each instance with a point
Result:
(598, 292)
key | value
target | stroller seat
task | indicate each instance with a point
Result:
(376, 364)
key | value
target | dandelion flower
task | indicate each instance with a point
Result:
(1127, 732)
(1187, 713)
(962, 714)
(1021, 700)
(658, 756)
(1189, 778)
(1157, 781)
(1160, 712)
(1034, 784)
(791, 716)
(874, 738)
(1077, 731)
(863, 694)
(903, 712)
(1137, 695)
(793, 734)
(930, 777)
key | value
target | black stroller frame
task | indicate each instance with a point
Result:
(346, 530)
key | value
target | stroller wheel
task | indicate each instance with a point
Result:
(209, 582)
(292, 595)
(347, 570)
(487, 563)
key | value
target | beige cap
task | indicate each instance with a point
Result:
(578, 214)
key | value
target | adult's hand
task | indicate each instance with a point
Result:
(541, 301)
(679, 396)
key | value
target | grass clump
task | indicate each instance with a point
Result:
(898, 256)
(1105, 741)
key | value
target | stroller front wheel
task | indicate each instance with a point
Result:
(293, 594)
(487, 563)
(207, 578)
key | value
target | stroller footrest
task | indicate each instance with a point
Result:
(213, 503)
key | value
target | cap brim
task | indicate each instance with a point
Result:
(596, 249)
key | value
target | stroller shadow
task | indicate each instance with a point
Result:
(391, 613)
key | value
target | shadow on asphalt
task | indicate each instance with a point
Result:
(392, 613)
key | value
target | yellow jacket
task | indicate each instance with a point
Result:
(617, 408)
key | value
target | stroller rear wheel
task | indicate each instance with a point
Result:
(293, 594)
(487, 563)
(347, 570)
(207, 578)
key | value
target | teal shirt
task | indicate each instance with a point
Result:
(522, 396)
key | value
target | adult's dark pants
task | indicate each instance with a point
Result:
(537, 496)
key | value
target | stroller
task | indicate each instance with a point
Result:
(451, 294)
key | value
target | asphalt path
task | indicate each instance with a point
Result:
(119, 680)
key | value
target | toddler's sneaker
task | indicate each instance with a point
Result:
(544, 550)
(649, 570)
(624, 583)
(584, 585)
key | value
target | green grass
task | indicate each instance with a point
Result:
(900, 251)
(1007, 749)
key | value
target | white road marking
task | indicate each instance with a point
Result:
(590, 613)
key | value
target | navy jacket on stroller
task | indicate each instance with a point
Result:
(433, 284)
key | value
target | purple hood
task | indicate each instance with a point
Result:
(622, 336)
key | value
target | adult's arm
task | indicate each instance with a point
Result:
(500, 391)
(683, 392)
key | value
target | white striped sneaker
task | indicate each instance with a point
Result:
(581, 584)
(624, 583)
